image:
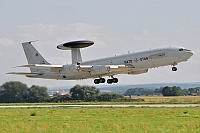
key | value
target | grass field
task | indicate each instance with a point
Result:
(170, 99)
(147, 100)
(167, 120)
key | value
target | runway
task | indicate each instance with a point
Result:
(106, 106)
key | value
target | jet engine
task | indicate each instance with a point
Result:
(70, 68)
(99, 69)
(139, 71)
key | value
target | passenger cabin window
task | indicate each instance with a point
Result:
(159, 55)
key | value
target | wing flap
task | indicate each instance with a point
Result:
(89, 67)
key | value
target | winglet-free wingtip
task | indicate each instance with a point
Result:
(22, 66)
(31, 41)
(10, 73)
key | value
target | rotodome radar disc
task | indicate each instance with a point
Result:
(75, 44)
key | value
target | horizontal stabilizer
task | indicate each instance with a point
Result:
(41, 66)
(54, 68)
(24, 73)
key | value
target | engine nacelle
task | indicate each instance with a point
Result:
(70, 68)
(140, 71)
(99, 69)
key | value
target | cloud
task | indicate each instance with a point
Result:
(53, 34)
(146, 37)
(59, 33)
(6, 42)
(143, 36)
(150, 39)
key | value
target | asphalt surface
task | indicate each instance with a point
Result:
(115, 106)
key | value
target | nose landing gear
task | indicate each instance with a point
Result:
(174, 69)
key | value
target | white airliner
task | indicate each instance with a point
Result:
(132, 63)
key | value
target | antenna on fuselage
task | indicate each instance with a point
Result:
(75, 46)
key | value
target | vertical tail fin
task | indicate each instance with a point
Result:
(34, 57)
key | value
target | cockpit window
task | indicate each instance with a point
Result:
(184, 49)
(187, 50)
(181, 49)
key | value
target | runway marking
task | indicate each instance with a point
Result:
(115, 106)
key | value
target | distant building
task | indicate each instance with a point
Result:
(56, 92)
(105, 92)
(195, 94)
(63, 93)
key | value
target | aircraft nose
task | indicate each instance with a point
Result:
(191, 53)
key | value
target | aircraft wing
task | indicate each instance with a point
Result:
(83, 68)
(104, 69)
(92, 70)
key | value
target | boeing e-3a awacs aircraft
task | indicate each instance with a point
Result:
(132, 63)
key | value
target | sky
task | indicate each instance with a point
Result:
(116, 27)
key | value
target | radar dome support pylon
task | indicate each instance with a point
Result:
(75, 46)
(76, 55)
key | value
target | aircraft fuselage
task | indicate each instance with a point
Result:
(135, 61)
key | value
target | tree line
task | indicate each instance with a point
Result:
(17, 92)
(165, 91)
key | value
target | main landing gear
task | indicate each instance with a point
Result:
(109, 81)
(101, 80)
(113, 80)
